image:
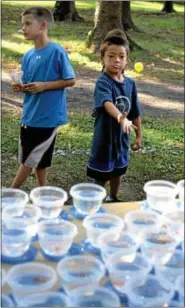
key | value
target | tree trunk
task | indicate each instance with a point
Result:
(66, 10)
(127, 18)
(168, 7)
(107, 17)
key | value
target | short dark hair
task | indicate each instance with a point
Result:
(40, 14)
(114, 37)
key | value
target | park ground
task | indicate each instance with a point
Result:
(160, 87)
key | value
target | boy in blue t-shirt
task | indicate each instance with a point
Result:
(116, 107)
(47, 71)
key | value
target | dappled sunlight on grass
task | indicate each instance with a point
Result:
(152, 6)
(29, 3)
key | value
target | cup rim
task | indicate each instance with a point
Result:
(15, 190)
(74, 228)
(48, 203)
(87, 220)
(73, 191)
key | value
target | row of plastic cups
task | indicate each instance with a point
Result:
(55, 236)
(161, 195)
(87, 199)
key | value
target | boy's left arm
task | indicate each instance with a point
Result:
(138, 140)
(36, 87)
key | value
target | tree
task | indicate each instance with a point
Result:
(108, 16)
(66, 10)
(126, 17)
(168, 7)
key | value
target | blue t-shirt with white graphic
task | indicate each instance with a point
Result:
(47, 108)
(110, 144)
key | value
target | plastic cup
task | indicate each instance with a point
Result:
(162, 242)
(6, 301)
(153, 292)
(28, 220)
(179, 286)
(15, 197)
(124, 268)
(50, 200)
(112, 241)
(180, 188)
(170, 266)
(56, 236)
(87, 198)
(175, 222)
(15, 241)
(80, 271)
(139, 220)
(3, 277)
(97, 223)
(98, 297)
(16, 76)
(46, 299)
(30, 278)
(161, 195)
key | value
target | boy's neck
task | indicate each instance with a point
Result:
(41, 41)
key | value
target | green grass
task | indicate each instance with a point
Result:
(163, 137)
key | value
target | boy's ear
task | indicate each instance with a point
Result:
(44, 25)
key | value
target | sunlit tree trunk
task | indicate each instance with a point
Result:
(107, 17)
(66, 10)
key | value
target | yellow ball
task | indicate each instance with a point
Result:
(138, 66)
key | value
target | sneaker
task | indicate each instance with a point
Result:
(110, 199)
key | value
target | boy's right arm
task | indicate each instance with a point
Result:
(120, 117)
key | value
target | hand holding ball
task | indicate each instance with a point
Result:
(138, 66)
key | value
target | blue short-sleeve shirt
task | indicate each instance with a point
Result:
(110, 144)
(47, 108)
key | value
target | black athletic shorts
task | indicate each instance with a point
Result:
(36, 146)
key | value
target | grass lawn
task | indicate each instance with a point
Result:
(163, 139)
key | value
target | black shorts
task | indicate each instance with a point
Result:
(105, 176)
(36, 146)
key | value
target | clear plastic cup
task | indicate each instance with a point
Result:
(80, 271)
(162, 242)
(3, 277)
(180, 188)
(112, 241)
(16, 76)
(124, 268)
(56, 236)
(28, 220)
(179, 287)
(161, 195)
(87, 198)
(153, 292)
(175, 222)
(6, 301)
(139, 220)
(99, 297)
(15, 241)
(97, 223)
(170, 266)
(15, 197)
(50, 200)
(30, 278)
(46, 299)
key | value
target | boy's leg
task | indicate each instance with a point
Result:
(41, 175)
(21, 176)
(115, 183)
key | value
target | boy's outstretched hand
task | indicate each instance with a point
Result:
(35, 87)
(126, 124)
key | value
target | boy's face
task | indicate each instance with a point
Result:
(115, 59)
(31, 27)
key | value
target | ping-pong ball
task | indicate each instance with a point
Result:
(138, 66)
